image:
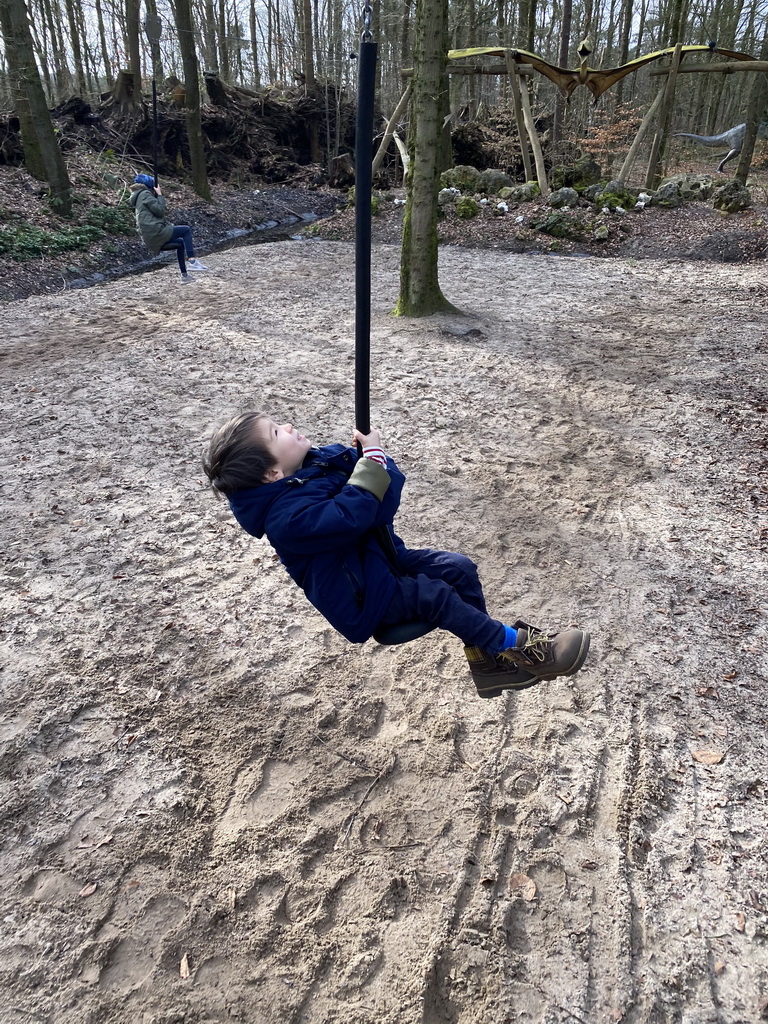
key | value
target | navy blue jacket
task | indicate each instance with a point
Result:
(321, 526)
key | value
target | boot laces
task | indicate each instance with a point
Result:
(537, 644)
(536, 647)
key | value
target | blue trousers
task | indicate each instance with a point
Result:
(443, 588)
(181, 242)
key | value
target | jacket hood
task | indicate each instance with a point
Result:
(251, 507)
(136, 191)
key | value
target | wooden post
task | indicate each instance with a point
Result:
(642, 131)
(538, 156)
(389, 130)
(659, 140)
(517, 104)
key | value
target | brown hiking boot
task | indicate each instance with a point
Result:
(546, 655)
(492, 676)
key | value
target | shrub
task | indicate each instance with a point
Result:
(466, 208)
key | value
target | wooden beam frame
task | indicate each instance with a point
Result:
(723, 69)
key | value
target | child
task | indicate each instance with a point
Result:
(158, 234)
(320, 507)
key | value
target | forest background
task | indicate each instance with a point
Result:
(111, 54)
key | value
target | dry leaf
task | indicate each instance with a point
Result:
(730, 675)
(526, 885)
(741, 922)
(708, 756)
(718, 967)
(90, 889)
(707, 691)
(589, 865)
(184, 966)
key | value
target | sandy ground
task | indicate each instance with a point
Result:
(215, 809)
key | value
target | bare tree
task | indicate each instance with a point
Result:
(192, 99)
(757, 110)
(18, 40)
(420, 292)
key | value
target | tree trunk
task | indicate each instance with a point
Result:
(14, 14)
(307, 44)
(224, 64)
(109, 78)
(122, 93)
(77, 51)
(565, 46)
(62, 76)
(33, 157)
(626, 27)
(254, 48)
(192, 99)
(757, 108)
(38, 27)
(134, 50)
(420, 292)
(210, 53)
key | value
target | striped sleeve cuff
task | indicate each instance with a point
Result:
(376, 454)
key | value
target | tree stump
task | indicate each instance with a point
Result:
(122, 95)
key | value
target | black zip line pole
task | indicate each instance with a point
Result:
(366, 87)
(363, 182)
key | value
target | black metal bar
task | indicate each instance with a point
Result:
(363, 185)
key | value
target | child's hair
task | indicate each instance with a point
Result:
(236, 459)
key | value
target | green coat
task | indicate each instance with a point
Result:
(150, 209)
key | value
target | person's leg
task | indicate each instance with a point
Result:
(437, 602)
(177, 245)
(184, 233)
(457, 570)
(447, 593)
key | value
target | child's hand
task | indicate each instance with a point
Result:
(371, 440)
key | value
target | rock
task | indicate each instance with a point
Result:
(562, 224)
(692, 187)
(447, 196)
(563, 197)
(492, 181)
(732, 197)
(667, 195)
(580, 175)
(613, 195)
(520, 193)
(601, 233)
(462, 177)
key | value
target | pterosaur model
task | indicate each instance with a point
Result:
(595, 79)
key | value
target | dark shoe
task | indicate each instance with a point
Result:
(492, 676)
(547, 655)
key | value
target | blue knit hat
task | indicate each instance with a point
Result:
(145, 179)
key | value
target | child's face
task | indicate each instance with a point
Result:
(286, 444)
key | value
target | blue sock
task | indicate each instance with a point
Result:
(510, 638)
